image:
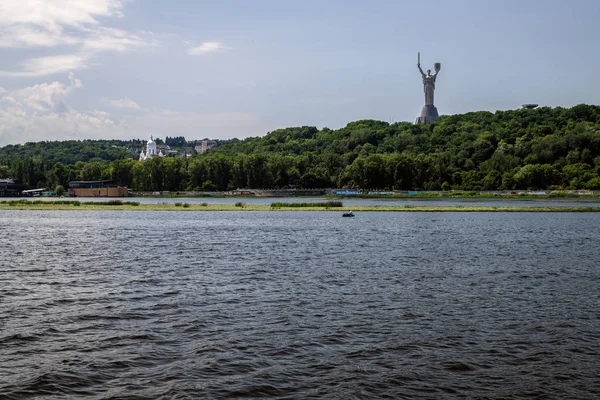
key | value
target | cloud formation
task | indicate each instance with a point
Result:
(33, 23)
(42, 97)
(39, 66)
(206, 47)
(74, 24)
(122, 103)
(42, 112)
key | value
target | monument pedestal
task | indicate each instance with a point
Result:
(428, 115)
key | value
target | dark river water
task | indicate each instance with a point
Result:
(347, 201)
(299, 305)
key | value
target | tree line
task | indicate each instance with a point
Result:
(543, 148)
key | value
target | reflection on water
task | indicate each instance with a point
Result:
(102, 304)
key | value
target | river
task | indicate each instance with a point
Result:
(299, 305)
(349, 201)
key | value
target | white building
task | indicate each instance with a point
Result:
(150, 150)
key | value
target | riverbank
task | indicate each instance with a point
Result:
(240, 206)
(330, 194)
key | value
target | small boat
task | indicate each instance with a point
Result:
(348, 214)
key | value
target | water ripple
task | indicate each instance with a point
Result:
(101, 304)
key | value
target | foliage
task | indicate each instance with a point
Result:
(507, 150)
(59, 190)
(327, 204)
(177, 141)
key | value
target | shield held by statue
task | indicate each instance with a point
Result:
(437, 66)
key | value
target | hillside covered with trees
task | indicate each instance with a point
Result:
(543, 148)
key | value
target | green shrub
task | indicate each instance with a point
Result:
(60, 190)
(328, 204)
(562, 194)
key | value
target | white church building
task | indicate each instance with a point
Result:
(150, 150)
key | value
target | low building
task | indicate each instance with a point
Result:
(36, 192)
(11, 187)
(106, 188)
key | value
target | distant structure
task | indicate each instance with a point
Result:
(205, 145)
(186, 152)
(530, 105)
(150, 150)
(107, 188)
(429, 113)
(11, 187)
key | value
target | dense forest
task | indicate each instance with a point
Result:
(543, 148)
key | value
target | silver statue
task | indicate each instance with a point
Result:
(429, 113)
(429, 81)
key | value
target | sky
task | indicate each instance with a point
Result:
(125, 69)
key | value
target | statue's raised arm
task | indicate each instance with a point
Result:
(437, 66)
(419, 64)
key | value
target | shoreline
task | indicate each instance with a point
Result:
(420, 196)
(133, 206)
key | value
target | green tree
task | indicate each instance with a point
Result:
(4, 171)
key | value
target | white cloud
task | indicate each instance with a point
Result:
(42, 112)
(75, 24)
(50, 65)
(52, 14)
(206, 47)
(17, 126)
(28, 23)
(20, 36)
(42, 97)
(122, 103)
(104, 39)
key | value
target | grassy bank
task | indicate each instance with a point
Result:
(471, 195)
(134, 206)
